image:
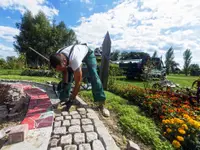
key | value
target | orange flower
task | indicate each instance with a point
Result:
(171, 110)
(181, 131)
(176, 144)
(161, 117)
(180, 138)
(169, 130)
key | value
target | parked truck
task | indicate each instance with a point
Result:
(135, 68)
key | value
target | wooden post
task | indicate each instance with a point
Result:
(106, 47)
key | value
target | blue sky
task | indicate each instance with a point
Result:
(140, 25)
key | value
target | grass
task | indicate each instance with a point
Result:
(29, 78)
(10, 72)
(132, 121)
(182, 80)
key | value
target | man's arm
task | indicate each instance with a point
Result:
(77, 78)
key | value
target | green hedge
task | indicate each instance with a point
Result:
(41, 73)
(114, 70)
(10, 71)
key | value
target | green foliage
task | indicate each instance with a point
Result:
(115, 55)
(36, 32)
(2, 63)
(114, 70)
(133, 55)
(13, 62)
(43, 73)
(10, 71)
(132, 121)
(29, 78)
(169, 56)
(187, 56)
(194, 70)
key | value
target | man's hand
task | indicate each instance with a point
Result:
(77, 78)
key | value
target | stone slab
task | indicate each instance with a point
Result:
(88, 128)
(17, 133)
(74, 129)
(37, 139)
(79, 138)
(96, 144)
(66, 139)
(84, 147)
(70, 147)
(91, 136)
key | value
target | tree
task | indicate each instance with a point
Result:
(194, 70)
(37, 32)
(187, 56)
(174, 66)
(169, 59)
(115, 55)
(133, 55)
(155, 54)
(2, 63)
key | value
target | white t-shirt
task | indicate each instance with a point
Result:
(77, 55)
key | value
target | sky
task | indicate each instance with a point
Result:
(134, 25)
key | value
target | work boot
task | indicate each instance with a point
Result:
(105, 112)
(61, 106)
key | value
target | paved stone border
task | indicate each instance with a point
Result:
(80, 130)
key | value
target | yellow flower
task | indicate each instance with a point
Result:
(180, 138)
(176, 144)
(196, 125)
(185, 126)
(169, 130)
(165, 133)
(186, 116)
(181, 131)
(177, 120)
(172, 121)
(164, 121)
(191, 121)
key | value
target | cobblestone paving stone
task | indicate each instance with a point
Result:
(80, 129)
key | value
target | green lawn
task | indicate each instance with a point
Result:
(29, 78)
(10, 72)
(124, 81)
(182, 80)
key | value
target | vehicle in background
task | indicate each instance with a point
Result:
(136, 68)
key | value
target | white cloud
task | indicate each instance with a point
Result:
(7, 33)
(85, 1)
(6, 51)
(33, 5)
(146, 25)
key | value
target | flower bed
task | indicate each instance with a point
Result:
(178, 119)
